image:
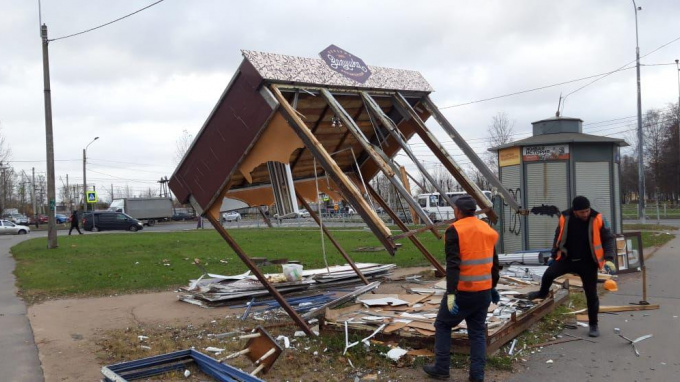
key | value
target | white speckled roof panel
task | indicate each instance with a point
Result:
(278, 67)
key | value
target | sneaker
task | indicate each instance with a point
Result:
(476, 380)
(535, 295)
(433, 372)
(593, 332)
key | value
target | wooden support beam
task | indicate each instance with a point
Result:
(259, 275)
(396, 134)
(444, 157)
(404, 228)
(376, 154)
(330, 237)
(470, 153)
(265, 217)
(348, 190)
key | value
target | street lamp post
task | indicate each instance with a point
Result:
(85, 173)
(641, 165)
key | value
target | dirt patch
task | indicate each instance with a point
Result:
(76, 337)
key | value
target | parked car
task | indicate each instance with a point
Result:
(303, 213)
(61, 218)
(110, 221)
(9, 228)
(21, 219)
(181, 216)
(231, 216)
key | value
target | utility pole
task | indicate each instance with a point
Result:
(68, 196)
(641, 164)
(35, 210)
(677, 65)
(49, 140)
(111, 192)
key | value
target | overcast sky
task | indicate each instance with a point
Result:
(138, 83)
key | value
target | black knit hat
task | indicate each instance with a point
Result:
(580, 203)
(466, 203)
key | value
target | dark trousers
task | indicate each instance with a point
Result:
(472, 307)
(77, 229)
(587, 270)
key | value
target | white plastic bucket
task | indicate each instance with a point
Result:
(292, 272)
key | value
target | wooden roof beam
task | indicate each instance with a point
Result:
(347, 188)
(377, 156)
(444, 157)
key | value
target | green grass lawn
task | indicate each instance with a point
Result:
(649, 227)
(654, 239)
(96, 265)
(629, 211)
(122, 263)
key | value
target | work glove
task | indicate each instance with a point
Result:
(609, 267)
(495, 296)
(451, 303)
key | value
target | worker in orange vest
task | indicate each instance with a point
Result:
(472, 272)
(583, 244)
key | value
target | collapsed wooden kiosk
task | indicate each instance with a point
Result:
(281, 115)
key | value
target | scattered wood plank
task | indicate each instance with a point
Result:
(555, 342)
(621, 308)
(516, 280)
(421, 353)
(393, 327)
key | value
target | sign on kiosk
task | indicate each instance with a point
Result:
(508, 157)
(547, 152)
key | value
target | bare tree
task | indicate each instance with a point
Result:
(500, 132)
(182, 145)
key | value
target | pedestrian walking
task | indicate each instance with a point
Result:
(472, 272)
(583, 245)
(74, 223)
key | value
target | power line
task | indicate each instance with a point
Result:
(601, 75)
(109, 23)
(607, 75)
(530, 90)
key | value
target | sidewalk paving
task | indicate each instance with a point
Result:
(612, 358)
(18, 354)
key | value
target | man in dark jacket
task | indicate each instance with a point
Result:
(583, 245)
(74, 223)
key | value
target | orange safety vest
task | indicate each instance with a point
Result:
(594, 227)
(476, 241)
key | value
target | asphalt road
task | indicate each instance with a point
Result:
(611, 358)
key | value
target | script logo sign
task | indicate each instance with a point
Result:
(346, 64)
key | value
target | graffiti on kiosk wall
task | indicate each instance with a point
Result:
(545, 152)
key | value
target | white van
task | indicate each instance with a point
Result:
(438, 209)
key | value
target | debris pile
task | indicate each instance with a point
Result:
(411, 315)
(217, 290)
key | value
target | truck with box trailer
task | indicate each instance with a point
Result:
(147, 210)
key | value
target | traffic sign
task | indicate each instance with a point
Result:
(91, 196)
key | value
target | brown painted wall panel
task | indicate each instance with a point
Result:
(230, 131)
